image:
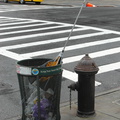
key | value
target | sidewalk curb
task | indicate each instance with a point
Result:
(108, 92)
(97, 95)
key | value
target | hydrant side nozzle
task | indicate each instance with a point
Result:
(73, 86)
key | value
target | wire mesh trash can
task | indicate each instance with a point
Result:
(40, 88)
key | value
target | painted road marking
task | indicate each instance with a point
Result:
(31, 30)
(23, 26)
(16, 23)
(72, 47)
(74, 77)
(67, 74)
(92, 55)
(64, 39)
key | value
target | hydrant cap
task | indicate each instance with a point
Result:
(86, 64)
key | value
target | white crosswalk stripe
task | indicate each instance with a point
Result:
(93, 55)
(36, 35)
(54, 29)
(31, 30)
(23, 26)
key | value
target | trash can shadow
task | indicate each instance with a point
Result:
(40, 88)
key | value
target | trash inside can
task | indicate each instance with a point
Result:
(40, 88)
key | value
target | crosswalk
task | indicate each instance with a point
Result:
(28, 38)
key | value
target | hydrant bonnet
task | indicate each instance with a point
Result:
(86, 64)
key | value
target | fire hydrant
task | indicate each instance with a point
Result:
(86, 70)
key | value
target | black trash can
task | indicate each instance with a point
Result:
(40, 88)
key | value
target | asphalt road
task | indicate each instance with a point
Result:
(100, 22)
(79, 2)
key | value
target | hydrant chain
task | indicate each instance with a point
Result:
(70, 98)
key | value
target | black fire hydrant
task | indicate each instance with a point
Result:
(86, 70)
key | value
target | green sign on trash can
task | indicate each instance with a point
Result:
(42, 71)
(40, 88)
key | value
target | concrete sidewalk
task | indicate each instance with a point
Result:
(107, 108)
